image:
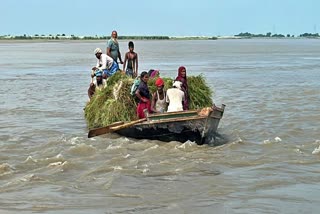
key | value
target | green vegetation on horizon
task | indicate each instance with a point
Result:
(73, 37)
(96, 37)
(241, 35)
(269, 35)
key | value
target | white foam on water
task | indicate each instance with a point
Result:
(75, 140)
(126, 156)
(144, 171)
(30, 160)
(151, 148)
(277, 139)
(316, 151)
(117, 168)
(186, 145)
(59, 163)
(59, 155)
(112, 147)
(266, 141)
(239, 140)
(82, 149)
(30, 177)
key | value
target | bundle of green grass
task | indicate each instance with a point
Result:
(115, 103)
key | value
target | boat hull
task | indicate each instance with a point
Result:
(194, 126)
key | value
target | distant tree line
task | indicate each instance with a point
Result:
(73, 37)
(310, 35)
(96, 37)
(269, 34)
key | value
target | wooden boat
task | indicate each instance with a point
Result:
(199, 126)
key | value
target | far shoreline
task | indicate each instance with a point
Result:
(37, 40)
(63, 37)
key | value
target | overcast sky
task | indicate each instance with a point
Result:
(163, 17)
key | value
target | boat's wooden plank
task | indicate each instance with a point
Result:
(173, 120)
(113, 127)
(103, 130)
(172, 115)
(126, 125)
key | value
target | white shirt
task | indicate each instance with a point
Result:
(175, 97)
(105, 62)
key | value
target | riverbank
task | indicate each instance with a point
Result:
(173, 39)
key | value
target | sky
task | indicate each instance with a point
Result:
(163, 17)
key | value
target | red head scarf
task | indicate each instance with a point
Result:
(181, 68)
(159, 82)
(181, 78)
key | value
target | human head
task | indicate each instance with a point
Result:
(98, 52)
(177, 84)
(154, 73)
(160, 84)
(99, 76)
(114, 34)
(131, 46)
(182, 72)
(144, 76)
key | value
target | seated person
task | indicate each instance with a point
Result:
(98, 84)
(158, 103)
(175, 97)
(105, 64)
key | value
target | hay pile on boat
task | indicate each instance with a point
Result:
(114, 103)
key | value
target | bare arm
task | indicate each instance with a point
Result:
(140, 97)
(125, 62)
(136, 65)
(119, 55)
(167, 98)
(153, 102)
(109, 51)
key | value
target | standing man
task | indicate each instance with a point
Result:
(113, 47)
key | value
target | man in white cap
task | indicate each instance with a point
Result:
(175, 97)
(105, 64)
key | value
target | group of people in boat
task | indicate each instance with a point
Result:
(174, 99)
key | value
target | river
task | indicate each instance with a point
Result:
(270, 162)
